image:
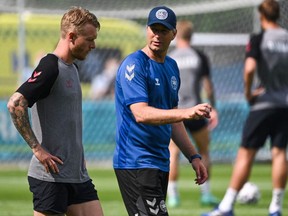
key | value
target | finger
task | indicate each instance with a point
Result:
(46, 167)
(53, 166)
(58, 160)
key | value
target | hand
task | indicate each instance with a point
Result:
(251, 97)
(213, 121)
(201, 111)
(49, 161)
(200, 170)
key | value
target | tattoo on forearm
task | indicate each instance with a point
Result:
(18, 108)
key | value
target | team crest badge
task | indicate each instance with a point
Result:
(174, 82)
(163, 206)
(162, 14)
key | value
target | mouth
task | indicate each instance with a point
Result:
(156, 43)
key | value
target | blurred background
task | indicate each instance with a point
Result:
(30, 28)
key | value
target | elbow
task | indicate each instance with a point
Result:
(10, 106)
(139, 119)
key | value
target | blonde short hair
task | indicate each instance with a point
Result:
(184, 29)
(75, 19)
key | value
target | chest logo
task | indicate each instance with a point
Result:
(69, 83)
(129, 74)
(174, 82)
(157, 83)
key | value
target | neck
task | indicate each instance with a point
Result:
(180, 43)
(158, 56)
(269, 25)
(62, 51)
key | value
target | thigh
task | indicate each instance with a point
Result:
(202, 139)
(143, 191)
(279, 128)
(82, 192)
(49, 198)
(195, 125)
(256, 129)
(42, 214)
(91, 208)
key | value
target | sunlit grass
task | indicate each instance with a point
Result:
(16, 199)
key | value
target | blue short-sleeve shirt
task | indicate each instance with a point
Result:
(141, 79)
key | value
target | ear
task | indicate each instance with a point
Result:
(174, 33)
(72, 36)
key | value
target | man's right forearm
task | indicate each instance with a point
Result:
(18, 108)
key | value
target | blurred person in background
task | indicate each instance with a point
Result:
(57, 174)
(146, 99)
(102, 85)
(195, 74)
(266, 54)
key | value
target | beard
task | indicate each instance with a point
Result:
(79, 53)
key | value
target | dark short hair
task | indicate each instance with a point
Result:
(270, 10)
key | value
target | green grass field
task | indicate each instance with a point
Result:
(16, 200)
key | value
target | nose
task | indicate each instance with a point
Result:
(93, 45)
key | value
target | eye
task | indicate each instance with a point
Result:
(164, 31)
(160, 31)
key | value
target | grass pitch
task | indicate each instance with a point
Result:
(16, 200)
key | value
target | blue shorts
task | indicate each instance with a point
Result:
(263, 124)
(55, 197)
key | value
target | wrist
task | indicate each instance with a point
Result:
(195, 156)
(35, 147)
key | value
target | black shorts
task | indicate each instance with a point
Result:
(263, 124)
(195, 125)
(55, 197)
(143, 191)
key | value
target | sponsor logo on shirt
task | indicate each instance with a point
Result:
(157, 83)
(34, 76)
(248, 47)
(129, 74)
(69, 83)
(187, 62)
(277, 46)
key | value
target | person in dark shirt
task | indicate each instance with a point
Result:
(266, 53)
(194, 73)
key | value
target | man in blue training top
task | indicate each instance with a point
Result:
(146, 97)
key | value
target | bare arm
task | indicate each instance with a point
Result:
(18, 108)
(249, 70)
(181, 139)
(209, 89)
(151, 115)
